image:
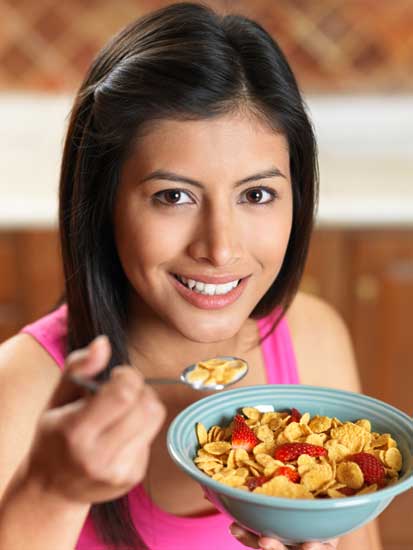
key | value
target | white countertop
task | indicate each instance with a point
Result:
(365, 145)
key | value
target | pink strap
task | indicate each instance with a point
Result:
(51, 333)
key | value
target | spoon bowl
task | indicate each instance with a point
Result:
(209, 375)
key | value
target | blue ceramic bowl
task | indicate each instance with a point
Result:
(293, 520)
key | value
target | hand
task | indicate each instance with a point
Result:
(253, 541)
(94, 448)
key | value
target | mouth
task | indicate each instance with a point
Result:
(207, 289)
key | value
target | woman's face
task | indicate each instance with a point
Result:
(209, 202)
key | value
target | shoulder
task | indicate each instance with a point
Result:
(28, 377)
(26, 365)
(322, 344)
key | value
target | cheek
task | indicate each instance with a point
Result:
(145, 242)
(270, 239)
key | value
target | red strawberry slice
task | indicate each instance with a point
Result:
(242, 435)
(291, 451)
(295, 416)
(291, 474)
(254, 482)
(373, 470)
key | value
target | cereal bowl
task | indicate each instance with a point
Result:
(293, 520)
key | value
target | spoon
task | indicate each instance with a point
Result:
(209, 375)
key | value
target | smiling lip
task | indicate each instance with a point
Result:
(203, 301)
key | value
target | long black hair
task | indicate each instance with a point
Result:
(182, 62)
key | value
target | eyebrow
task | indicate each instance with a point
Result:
(171, 176)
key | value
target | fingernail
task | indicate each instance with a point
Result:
(236, 531)
(270, 545)
(78, 355)
(99, 339)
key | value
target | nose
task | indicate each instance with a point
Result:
(218, 238)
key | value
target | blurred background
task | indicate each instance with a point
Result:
(354, 63)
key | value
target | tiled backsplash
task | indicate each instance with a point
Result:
(341, 46)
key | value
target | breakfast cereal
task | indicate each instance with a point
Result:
(294, 455)
(216, 371)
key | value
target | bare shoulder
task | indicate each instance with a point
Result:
(28, 376)
(23, 361)
(322, 344)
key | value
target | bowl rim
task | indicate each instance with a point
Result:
(285, 502)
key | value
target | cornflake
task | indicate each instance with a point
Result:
(216, 371)
(330, 474)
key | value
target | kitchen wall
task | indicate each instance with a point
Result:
(354, 62)
(335, 46)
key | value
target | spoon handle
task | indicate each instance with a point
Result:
(92, 386)
(163, 381)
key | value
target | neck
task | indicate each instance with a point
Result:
(157, 349)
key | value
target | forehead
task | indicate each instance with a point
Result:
(232, 142)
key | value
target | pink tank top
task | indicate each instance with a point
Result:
(159, 529)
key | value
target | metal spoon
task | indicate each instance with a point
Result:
(190, 376)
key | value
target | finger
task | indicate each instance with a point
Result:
(267, 543)
(142, 423)
(123, 459)
(328, 545)
(86, 362)
(243, 536)
(115, 399)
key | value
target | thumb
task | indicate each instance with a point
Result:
(84, 363)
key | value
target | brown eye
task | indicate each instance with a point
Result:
(173, 195)
(259, 195)
(254, 195)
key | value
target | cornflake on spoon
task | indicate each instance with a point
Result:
(217, 371)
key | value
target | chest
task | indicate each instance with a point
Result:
(168, 487)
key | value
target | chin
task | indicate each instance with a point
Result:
(210, 334)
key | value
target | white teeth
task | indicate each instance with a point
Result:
(208, 288)
(191, 283)
(222, 289)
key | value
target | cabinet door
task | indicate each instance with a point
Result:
(381, 324)
(9, 312)
(382, 313)
(40, 272)
(31, 279)
(326, 272)
(368, 277)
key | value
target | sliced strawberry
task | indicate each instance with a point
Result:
(295, 416)
(242, 435)
(254, 482)
(291, 451)
(373, 470)
(291, 474)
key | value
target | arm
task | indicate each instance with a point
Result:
(83, 448)
(26, 506)
(28, 377)
(365, 538)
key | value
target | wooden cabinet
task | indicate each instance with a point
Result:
(366, 274)
(31, 278)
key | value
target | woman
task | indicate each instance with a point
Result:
(187, 195)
